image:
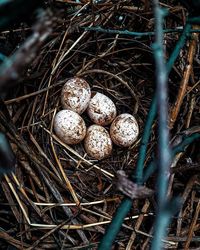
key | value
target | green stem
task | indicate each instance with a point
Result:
(125, 205)
(162, 221)
(144, 141)
(152, 111)
(135, 33)
(115, 225)
(151, 168)
(178, 47)
(164, 151)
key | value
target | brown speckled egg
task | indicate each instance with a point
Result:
(69, 127)
(76, 95)
(98, 143)
(101, 109)
(124, 130)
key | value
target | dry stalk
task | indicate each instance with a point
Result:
(185, 80)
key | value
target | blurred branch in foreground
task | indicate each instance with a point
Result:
(11, 68)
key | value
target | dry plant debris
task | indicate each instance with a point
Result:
(60, 198)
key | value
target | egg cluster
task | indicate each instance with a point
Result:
(70, 127)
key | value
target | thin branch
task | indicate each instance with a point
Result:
(12, 68)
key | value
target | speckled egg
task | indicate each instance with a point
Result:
(101, 109)
(124, 130)
(76, 95)
(69, 127)
(98, 143)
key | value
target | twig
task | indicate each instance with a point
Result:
(184, 83)
(66, 179)
(74, 204)
(126, 204)
(152, 111)
(57, 62)
(181, 147)
(21, 98)
(164, 152)
(114, 76)
(12, 68)
(17, 198)
(133, 33)
(79, 226)
(46, 235)
(192, 226)
(192, 181)
(137, 225)
(16, 243)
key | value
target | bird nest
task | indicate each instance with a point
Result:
(60, 198)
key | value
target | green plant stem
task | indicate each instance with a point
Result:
(134, 33)
(178, 47)
(144, 142)
(151, 168)
(125, 206)
(194, 20)
(164, 151)
(162, 222)
(115, 225)
(152, 111)
(186, 141)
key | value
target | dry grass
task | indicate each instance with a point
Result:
(60, 198)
